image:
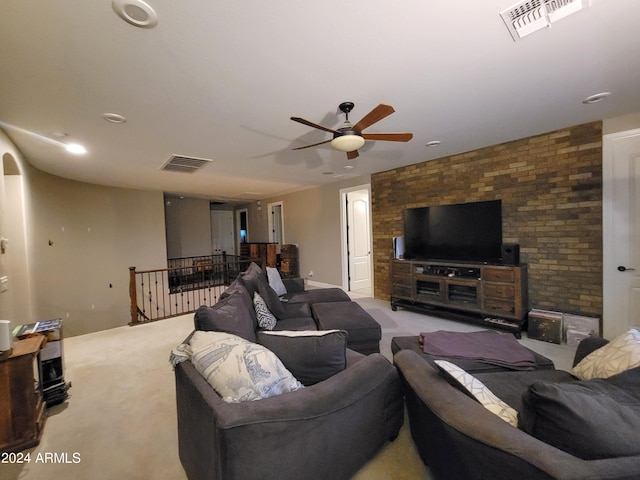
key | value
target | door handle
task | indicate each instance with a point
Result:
(622, 268)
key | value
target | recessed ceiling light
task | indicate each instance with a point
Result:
(433, 143)
(136, 12)
(349, 167)
(598, 97)
(113, 118)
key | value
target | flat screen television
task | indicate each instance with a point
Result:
(469, 232)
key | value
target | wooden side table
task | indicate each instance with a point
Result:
(22, 410)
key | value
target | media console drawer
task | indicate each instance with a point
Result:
(495, 274)
(499, 307)
(402, 291)
(401, 267)
(499, 290)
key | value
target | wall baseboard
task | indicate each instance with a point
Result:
(313, 283)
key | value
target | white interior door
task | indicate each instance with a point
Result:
(222, 234)
(621, 232)
(359, 241)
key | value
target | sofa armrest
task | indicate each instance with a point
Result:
(347, 418)
(587, 346)
(459, 438)
(293, 285)
(334, 394)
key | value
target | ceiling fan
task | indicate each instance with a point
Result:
(349, 138)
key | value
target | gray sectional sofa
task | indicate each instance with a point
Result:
(350, 406)
(579, 430)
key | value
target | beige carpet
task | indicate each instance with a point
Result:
(120, 419)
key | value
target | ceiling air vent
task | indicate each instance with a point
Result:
(179, 163)
(530, 16)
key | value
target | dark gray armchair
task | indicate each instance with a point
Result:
(327, 430)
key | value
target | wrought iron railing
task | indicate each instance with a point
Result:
(182, 287)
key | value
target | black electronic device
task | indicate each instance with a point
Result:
(510, 253)
(468, 232)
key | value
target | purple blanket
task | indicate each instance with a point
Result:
(484, 346)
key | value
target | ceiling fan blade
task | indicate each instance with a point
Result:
(353, 154)
(375, 115)
(313, 145)
(311, 124)
(389, 137)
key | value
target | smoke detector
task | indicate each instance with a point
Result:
(529, 16)
(136, 12)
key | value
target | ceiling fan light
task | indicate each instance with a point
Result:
(347, 143)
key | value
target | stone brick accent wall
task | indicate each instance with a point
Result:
(551, 191)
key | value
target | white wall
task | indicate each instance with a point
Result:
(82, 240)
(188, 227)
(71, 245)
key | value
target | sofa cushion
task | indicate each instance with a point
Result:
(235, 285)
(621, 353)
(311, 356)
(239, 370)
(266, 319)
(292, 310)
(275, 281)
(319, 295)
(510, 386)
(296, 323)
(252, 278)
(590, 419)
(233, 314)
(272, 300)
(478, 390)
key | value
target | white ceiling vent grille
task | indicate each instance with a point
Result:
(530, 16)
(180, 163)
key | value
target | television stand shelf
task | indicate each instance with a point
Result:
(489, 295)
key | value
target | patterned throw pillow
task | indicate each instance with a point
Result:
(239, 370)
(480, 392)
(266, 319)
(620, 354)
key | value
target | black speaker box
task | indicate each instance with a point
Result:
(511, 253)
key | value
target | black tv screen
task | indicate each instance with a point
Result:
(462, 232)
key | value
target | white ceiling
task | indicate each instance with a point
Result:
(221, 79)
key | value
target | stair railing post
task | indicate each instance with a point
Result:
(133, 296)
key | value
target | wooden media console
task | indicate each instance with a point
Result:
(491, 295)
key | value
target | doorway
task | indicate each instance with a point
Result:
(356, 240)
(15, 289)
(242, 227)
(222, 234)
(621, 232)
(276, 224)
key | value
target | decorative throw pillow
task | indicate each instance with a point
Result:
(590, 419)
(239, 370)
(311, 355)
(266, 319)
(479, 391)
(233, 314)
(620, 354)
(275, 281)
